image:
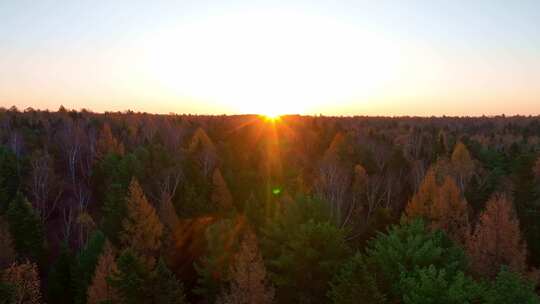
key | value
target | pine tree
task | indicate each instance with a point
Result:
(9, 177)
(7, 251)
(166, 288)
(86, 264)
(24, 281)
(100, 290)
(497, 240)
(142, 227)
(247, 276)
(61, 276)
(131, 279)
(25, 227)
(356, 279)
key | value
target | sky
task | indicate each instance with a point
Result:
(273, 57)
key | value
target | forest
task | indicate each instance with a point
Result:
(130, 207)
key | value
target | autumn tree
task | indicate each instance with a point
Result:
(247, 276)
(100, 289)
(142, 227)
(463, 165)
(107, 143)
(442, 206)
(24, 279)
(497, 240)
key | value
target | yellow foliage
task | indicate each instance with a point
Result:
(142, 227)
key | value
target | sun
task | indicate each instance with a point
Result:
(272, 117)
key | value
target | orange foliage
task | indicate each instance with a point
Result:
(107, 143)
(100, 290)
(25, 281)
(247, 276)
(442, 206)
(142, 227)
(497, 240)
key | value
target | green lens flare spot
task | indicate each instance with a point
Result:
(276, 191)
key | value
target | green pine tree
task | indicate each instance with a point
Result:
(166, 289)
(86, 265)
(25, 228)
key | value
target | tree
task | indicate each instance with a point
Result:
(7, 251)
(61, 276)
(25, 227)
(9, 177)
(107, 143)
(221, 196)
(411, 246)
(222, 240)
(167, 213)
(509, 288)
(357, 279)
(247, 276)
(100, 289)
(166, 288)
(302, 254)
(432, 285)
(131, 279)
(443, 207)
(24, 279)
(497, 240)
(463, 164)
(86, 264)
(142, 228)
(450, 212)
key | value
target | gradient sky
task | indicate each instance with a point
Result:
(331, 57)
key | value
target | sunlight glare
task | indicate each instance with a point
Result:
(252, 64)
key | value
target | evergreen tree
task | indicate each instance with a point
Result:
(60, 287)
(86, 264)
(166, 288)
(509, 288)
(303, 253)
(432, 285)
(9, 177)
(25, 227)
(357, 279)
(411, 246)
(7, 251)
(131, 279)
